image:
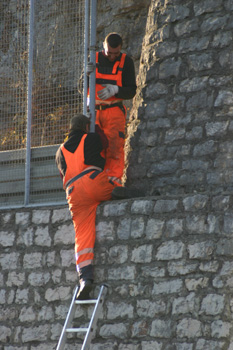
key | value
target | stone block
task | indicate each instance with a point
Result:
(170, 250)
(15, 279)
(189, 328)
(42, 237)
(39, 333)
(213, 304)
(118, 330)
(119, 310)
(167, 287)
(137, 227)
(22, 218)
(64, 234)
(146, 308)
(185, 305)
(122, 273)
(154, 229)
(32, 260)
(165, 205)
(59, 293)
(161, 328)
(202, 250)
(60, 215)
(40, 216)
(142, 254)
(7, 238)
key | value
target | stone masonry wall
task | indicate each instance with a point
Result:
(183, 107)
(168, 262)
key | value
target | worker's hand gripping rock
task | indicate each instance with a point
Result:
(108, 91)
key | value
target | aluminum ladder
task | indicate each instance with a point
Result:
(92, 324)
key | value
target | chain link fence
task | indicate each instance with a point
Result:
(41, 62)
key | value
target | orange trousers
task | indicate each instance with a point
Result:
(83, 196)
(112, 122)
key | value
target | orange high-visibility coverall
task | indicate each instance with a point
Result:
(112, 120)
(86, 187)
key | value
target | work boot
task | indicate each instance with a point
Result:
(126, 193)
(85, 288)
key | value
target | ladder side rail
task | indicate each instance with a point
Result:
(69, 319)
(92, 324)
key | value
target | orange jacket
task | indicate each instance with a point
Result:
(114, 78)
(74, 161)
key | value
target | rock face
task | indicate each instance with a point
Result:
(127, 18)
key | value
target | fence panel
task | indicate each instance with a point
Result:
(58, 55)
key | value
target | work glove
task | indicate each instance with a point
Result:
(108, 91)
(89, 68)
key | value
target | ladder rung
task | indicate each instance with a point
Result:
(91, 301)
(76, 330)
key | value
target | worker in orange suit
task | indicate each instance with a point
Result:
(115, 82)
(81, 166)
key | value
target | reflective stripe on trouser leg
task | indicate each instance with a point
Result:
(82, 256)
(83, 264)
(84, 225)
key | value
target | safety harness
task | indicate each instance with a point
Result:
(112, 76)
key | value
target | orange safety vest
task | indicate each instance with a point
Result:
(114, 77)
(74, 161)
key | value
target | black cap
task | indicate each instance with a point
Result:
(79, 122)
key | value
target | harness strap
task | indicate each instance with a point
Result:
(103, 107)
(78, 177)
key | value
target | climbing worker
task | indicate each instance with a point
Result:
(86, 184)
(115, 82)
(81, 167)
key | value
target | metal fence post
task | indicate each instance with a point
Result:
(86, 43)
(29, 103)
(92, 59)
